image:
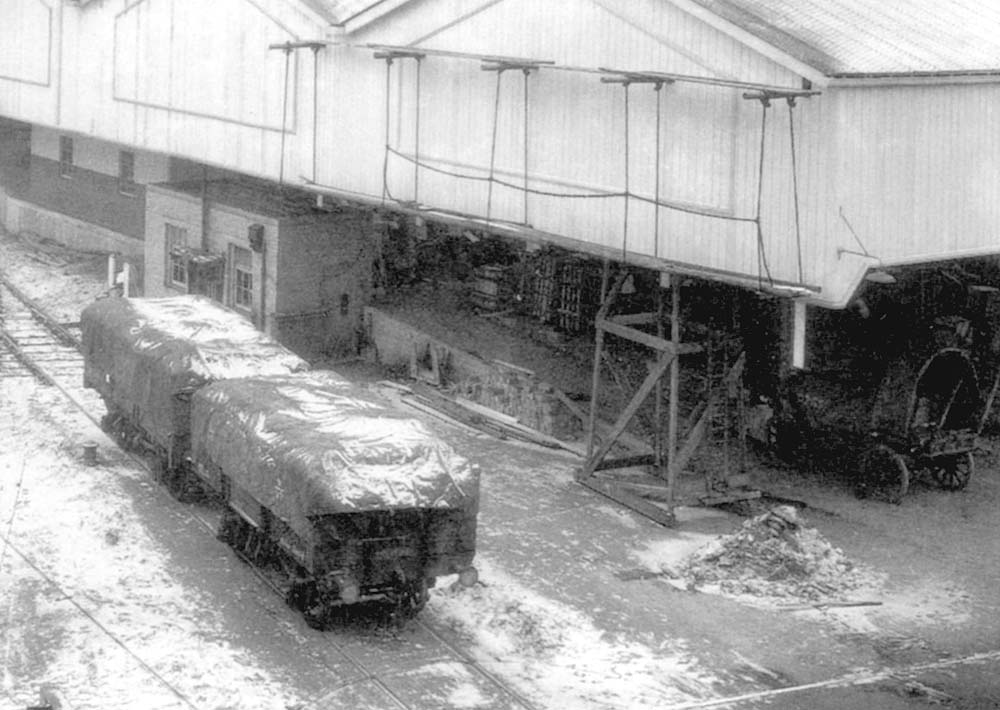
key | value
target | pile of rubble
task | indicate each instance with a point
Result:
(773, 555)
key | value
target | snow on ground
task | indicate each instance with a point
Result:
(95, 606)
(555, 655)
(63, 280)
(89, 592)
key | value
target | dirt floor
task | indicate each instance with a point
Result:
(584, 604)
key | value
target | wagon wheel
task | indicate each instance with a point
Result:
(953, 472)
(883, 475)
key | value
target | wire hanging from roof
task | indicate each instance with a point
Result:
(762, 92)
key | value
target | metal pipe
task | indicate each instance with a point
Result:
(625, 227)
(284, 117)
(416, 138)
(315, 50)
(493, 148)
(527, 73)
(675, 378)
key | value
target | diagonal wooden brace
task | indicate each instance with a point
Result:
(655, 373)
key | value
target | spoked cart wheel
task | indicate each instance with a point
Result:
(954, 471)
(884, 475)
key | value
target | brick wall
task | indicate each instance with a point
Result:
(227, 226)
(324, 279)
(88, 196)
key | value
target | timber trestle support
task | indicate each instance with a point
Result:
(654, 495)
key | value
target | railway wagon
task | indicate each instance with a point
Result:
(328, 484)
(146, 357)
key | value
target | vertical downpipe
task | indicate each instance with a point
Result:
(262, 318)
(59, 71)
(206, 209)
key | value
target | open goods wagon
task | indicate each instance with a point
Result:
(328, 483)
(146, 357)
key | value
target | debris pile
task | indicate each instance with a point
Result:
(773, 555)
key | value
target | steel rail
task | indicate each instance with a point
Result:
(41, 315)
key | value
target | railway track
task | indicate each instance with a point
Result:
(35, 345)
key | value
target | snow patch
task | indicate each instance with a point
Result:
(556, 655)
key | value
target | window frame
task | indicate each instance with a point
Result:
(174, 236)
(241, 295)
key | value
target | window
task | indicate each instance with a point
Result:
(65, 156)
(126, 172)
(175, 243)
(241, 277)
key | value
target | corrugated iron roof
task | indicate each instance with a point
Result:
(874, 37)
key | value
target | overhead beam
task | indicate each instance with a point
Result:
(664, 77)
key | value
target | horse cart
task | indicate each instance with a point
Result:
(918, 415)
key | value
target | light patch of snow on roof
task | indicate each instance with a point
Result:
(848, 37)
(225, 344)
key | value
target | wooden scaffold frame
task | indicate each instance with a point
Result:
(665, 458)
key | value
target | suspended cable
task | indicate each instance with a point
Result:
(493, 146)
(526, 72)
(762, 92)
(762, 267)
(416, 138)
(656, 189)
(284, 116)
(626, 193)
(795, 183)
(575, 195)
(388, 99)
(315, 51)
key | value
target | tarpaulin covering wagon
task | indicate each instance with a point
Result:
(353, 498)
(146, 357)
